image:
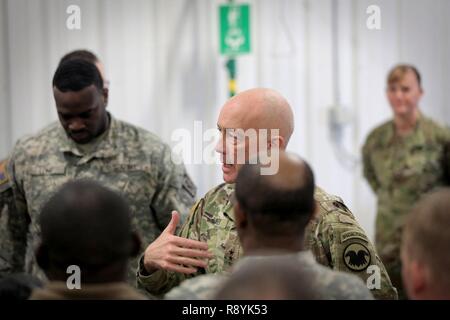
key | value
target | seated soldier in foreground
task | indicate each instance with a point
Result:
(426, 248)
(87, 241)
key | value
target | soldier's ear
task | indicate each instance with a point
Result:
(42, 257)
(136, 244)
(418, 278)
(105, 96)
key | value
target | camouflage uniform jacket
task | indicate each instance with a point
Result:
(57, 290)
(127, 159)
(334, 237)
(400, 170)
(328, 284)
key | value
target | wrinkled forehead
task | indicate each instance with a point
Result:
(243, 114)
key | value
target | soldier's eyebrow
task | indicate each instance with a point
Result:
(68, 113)
(220, 128)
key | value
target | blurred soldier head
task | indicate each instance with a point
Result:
(80, 100)
(272, 211)
(258, 110)
(426, 248)
(88, 226)
(404, 90)
(273, 279)
(89, 57)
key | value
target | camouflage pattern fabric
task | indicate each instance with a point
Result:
(127, 159)
(333, 236)
(400, 170)
(328, 284)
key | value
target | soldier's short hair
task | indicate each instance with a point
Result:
(86, 224)
(398, 72)
(276, 207)
(80, 54)
(77, 74)
(426, 236)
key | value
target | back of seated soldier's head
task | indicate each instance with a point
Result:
(18, 286)
(277, 206)
(86, 225)
(426, 248)
(268, 279)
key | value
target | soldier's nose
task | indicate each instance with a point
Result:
(75, 126)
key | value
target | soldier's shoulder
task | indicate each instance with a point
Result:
(222, 190)
(35, 143)
(335, 216)
(138, 137)
(379, 134)
(434, 129)
(201, 287)
(348, 286)
(329, 204)
(5, 181)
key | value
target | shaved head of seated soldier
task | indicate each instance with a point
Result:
(272, 211)
(275, 279)
(426, 248)
(86, 225)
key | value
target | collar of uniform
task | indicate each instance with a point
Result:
(105, 149)
(112, 290)
(417, 137)
(305, 256)
(228, 209)
(390, 133)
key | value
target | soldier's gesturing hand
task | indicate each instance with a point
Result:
(174, 253)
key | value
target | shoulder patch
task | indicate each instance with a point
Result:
(353, 234)
(4, 179)
(356, 257)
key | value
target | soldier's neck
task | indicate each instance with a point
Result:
(404, 125)
(271, 245)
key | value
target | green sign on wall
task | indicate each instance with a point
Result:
(234, 29)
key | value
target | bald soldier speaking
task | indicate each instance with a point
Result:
(208, 241)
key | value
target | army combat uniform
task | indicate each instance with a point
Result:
(127, 159)
(327, 284)
(334, 237)
(57, 290)
(400, 170)
(8, 263)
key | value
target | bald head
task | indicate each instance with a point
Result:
(259, 112)
(280, 203)
(260, 108)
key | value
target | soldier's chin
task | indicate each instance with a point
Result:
(81, 138)
(229, 174)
